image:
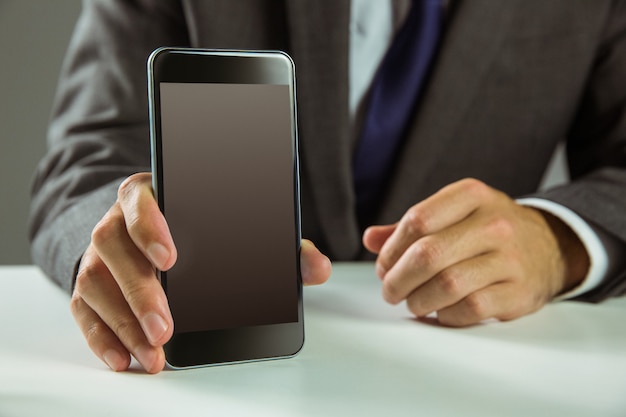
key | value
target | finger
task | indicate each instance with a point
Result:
(448, 206)
(455, 283)
(501, 301)
(100, 338)
(432, 254)
(135, 277)
(107, 322)
(375, 237)
(145, 223)
(315, 267)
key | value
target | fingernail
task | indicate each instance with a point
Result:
(158, 254)
(113, 359)
(146, 357)
(154, 326)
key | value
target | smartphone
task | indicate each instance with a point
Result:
(225, 174)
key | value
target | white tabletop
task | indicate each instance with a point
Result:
(362, 357)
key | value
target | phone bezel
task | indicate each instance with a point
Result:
(191, 65)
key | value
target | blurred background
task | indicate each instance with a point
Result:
(33, 38)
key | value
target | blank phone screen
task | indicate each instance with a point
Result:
(228, 189)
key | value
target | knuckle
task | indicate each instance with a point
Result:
(137, 296)
(94, 334)
(130, 185)
(501, 227)
(136, 227)
(392, 290)
(125, 329)
(413, 307)
(418, 220)
(127, 186)
(416, 306)
(132, 203)
(383, 265)
(426, 253)
(475, 187)
(450, 282)
(107, 229)
(76, 304)
(476, 306)
(87, 276)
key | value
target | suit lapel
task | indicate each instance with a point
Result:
(319, 45)
(467, 50)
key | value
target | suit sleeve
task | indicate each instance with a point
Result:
(99, 130)
(596, 149)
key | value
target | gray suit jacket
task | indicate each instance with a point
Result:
(513, 78)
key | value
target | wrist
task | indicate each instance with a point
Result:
(573, 254)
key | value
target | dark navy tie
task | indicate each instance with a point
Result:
(395, 89)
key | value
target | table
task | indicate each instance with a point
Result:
(362, 357)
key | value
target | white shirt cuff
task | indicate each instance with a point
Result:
(598, 258)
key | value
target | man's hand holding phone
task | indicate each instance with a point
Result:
(118, 302)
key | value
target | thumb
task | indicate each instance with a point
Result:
(315, 267)
(375, 237)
